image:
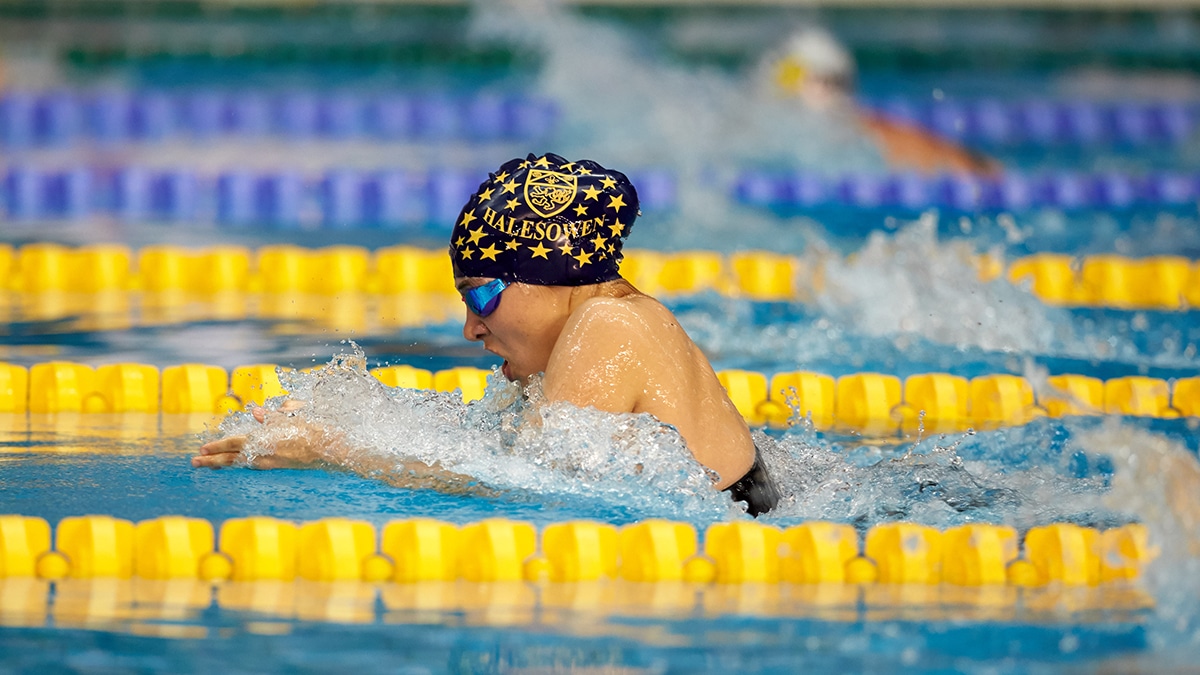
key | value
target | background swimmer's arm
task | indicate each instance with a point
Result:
(906, 146)
(596, 362)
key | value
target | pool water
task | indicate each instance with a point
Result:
(899, 294)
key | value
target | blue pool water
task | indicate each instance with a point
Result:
(899, 297)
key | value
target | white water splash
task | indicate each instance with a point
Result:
(910, 282)
(918, 294)
(514, 445)
(522, 450)
(505, 444)
(1159, 479)
(933, 482)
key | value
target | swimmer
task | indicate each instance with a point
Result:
(816, 70)
(535, 253)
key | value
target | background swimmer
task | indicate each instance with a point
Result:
(536, 252)
(813, 68)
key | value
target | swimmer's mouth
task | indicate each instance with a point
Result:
(505, 368)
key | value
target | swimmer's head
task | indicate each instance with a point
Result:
(812, 64)
(545, 221)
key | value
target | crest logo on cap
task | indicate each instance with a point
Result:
(549, 192)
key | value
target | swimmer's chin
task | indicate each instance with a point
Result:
(506, 369)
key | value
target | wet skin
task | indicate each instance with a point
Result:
(606, 346)
(611, 347)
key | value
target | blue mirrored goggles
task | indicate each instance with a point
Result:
(483, 300)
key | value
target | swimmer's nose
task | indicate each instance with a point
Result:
(473, 327)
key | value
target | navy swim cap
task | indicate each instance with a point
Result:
(546, 221)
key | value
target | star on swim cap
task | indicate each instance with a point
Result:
(544, 220)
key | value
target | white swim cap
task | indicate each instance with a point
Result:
(813, 53)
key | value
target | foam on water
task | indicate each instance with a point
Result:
(1159, 479)
(515, 445)
(912, 294)
(512, 445)
(505, 444)
(933, 482)
(910, 282)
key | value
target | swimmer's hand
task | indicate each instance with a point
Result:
(306, 447)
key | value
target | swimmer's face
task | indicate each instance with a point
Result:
(820, 93)
(522, 329)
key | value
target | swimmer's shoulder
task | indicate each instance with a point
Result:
(628, 312)
(600, 359)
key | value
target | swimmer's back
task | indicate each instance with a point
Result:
(626, 352)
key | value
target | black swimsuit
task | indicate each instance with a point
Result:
(756, 488)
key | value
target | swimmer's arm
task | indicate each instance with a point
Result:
(908, 146)
(311, 447)
(421, 476)
(596, 363)
(410, 474)
(303, 446)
